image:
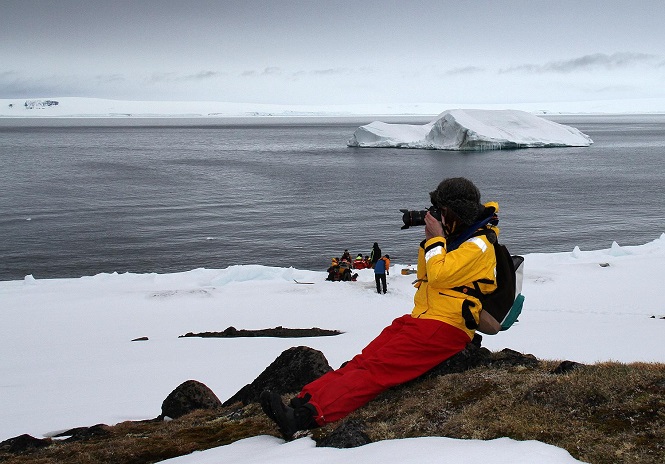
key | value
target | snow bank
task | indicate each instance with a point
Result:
(83, 107)
(472, 130)
(423, 450)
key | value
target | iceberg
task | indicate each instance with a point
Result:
(468, 129)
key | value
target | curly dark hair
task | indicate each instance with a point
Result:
(459, 195)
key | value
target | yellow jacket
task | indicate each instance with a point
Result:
(440, 272)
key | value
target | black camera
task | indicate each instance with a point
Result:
(417, 218)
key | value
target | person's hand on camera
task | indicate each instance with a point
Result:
(433, 227)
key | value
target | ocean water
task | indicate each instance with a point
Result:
(81, 197)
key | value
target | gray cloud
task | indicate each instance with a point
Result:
(11, 90)
(163, 77)
(613, 89)
(267, 71)
(586, 62)
(271, 71)
(277, 71)
(109, 78)
(330, 71)
(177, 77)
(203, 75)
(464, 70)
(13, 84)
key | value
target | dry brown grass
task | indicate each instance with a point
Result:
(153, 441)
(605, 413)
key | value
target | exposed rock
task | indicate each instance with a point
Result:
(187, 397)
(349, 434)
(566, 366)
(85, 433)
(471, 356)
(279, 332)
(140, 339)
(292, 370)
(512, 358)
(474, 355)
(32, 104)
(23, 443)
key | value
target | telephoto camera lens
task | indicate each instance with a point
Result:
(417, 218)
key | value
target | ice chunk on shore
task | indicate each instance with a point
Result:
(472, 130)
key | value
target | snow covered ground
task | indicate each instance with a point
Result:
(96, 107)
(68, 359)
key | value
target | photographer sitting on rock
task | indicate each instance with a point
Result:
(444, 318)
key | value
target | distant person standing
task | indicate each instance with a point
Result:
(381, 268)
(375, 255)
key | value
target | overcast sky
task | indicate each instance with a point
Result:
(334, 51)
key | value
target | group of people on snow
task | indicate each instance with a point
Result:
(341, 268)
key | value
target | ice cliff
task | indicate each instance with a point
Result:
(461, 129)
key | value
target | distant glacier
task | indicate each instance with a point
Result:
(471, 129)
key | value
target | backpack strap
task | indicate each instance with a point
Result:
(475, 290)
(489, 217)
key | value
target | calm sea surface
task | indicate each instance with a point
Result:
(80, 197)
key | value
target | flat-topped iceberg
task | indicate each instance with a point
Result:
(461, 129)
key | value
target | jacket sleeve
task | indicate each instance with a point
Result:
(471, 261)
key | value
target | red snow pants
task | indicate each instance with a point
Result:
(404, 350)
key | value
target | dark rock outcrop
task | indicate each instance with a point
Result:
(472, 356)
(85, 433)
(187, 397)
(23, 443)
(566, 366)
(512, 358)
(32, 104)
(349, 434)
(278, 332)
(292, 370)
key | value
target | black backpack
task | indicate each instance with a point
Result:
(505, 303)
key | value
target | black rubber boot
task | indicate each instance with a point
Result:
(289, 420)
(305, 417)
(264, 401)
